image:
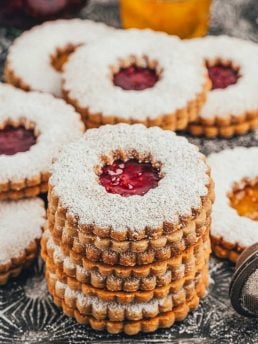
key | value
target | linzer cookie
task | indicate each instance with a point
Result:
(126, 243)
(180, 290)
(116, 278)
(93, 244)
(37, 56)
(117, 311)
(232, 105)
(136, 76)
(121, 144)
(130, 206)
(176, 240)
(234, 215)
(33, 129)
(176, 286)
(129, 253)
(162, 320)
(21, 224)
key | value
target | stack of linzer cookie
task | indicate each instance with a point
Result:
(127, 242)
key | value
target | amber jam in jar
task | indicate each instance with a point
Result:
(25, 13)
(185, 18)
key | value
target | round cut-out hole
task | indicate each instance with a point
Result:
(222, 76)
(245, 200)
(135, 78)
(16, 139)
(61, 56)
(129, 178)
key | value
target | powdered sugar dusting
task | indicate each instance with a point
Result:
(183, 169)
(230, 166)
(20, 224)
(56, 123)
(83, 300)
(236, 99)
(182, 75)
(251, 286)
(59, 257)
(30, 55)
(36, 288)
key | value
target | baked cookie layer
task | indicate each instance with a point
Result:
(171, 103)
(231, 107)
(38, 68)
(116, 311)
(226, 131)
(161, 211)
(163, 320)
(119, 278)
(232, 170)
(24, 172)
(81, 242)
(127, 257)
(21, 224)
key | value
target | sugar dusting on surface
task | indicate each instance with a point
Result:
(184, 181)
(228, 167)
(183, 75)
(251, 286)
(237, 99)
(96, 303)
(31, 62)
(20, 223)
(56, 124)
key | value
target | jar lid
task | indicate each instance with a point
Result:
(243, 288)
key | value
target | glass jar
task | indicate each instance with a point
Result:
(184, 18)
(26, 13)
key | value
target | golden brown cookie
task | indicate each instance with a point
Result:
(232, 106)
(163, 320)
(21, 224)
(33, 128)
(99, 202)
(156, 82)
(227, 131)
(234, 214)
(129, 279)
(128, 257)
(128, 237)
(178, 287)
(40, 69)
(114, 310)
(146, 250)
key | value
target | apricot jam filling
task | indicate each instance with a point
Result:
(245, 201)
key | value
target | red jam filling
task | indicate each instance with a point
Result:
(15, 140)
(222, 76)
(135, 78)
(129, 178)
